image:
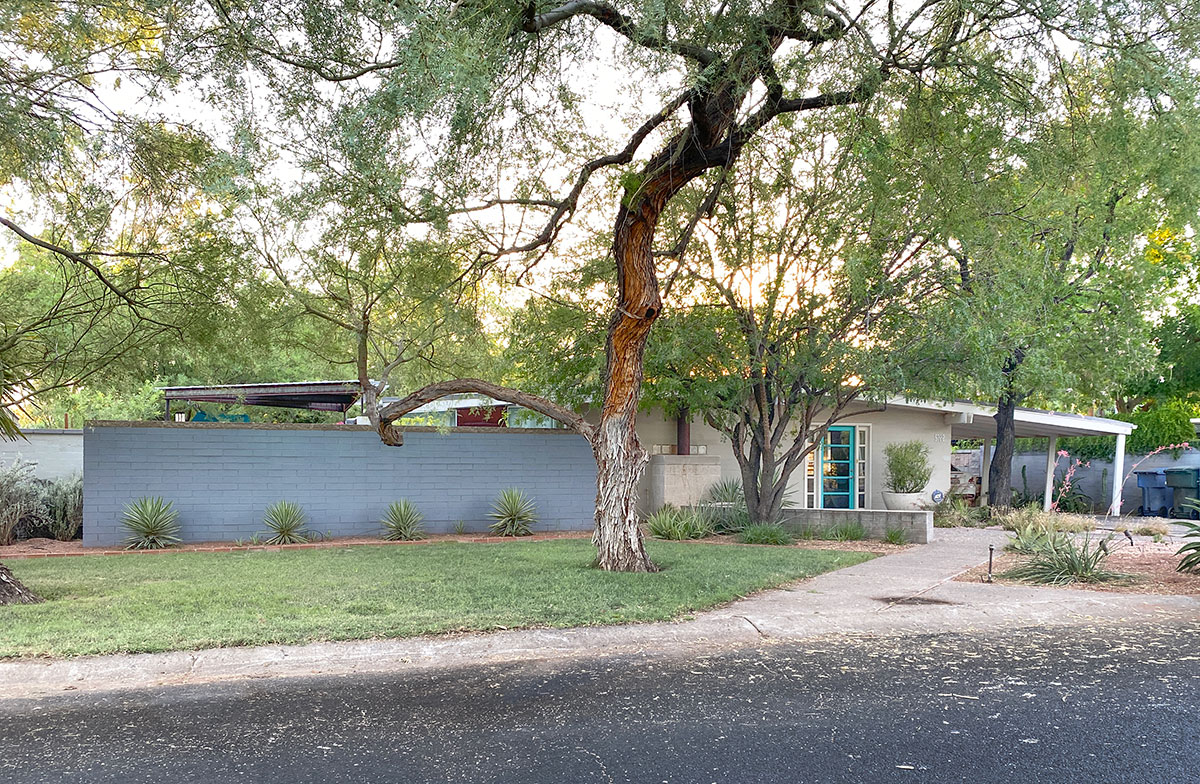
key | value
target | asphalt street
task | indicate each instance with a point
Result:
(1082, 704)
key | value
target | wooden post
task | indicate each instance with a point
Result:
(1051, 457)
(1118, 478)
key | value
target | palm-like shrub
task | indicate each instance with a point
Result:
(908, 468)
(403, 522)
(286, 520)
(1191, 550)
(676, 524)
(514, 513)
(765, 534)
(152, 523)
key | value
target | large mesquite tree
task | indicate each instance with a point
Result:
(529, 115)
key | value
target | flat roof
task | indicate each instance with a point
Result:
(309, 395)
(976, 420)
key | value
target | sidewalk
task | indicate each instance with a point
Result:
(908, 593)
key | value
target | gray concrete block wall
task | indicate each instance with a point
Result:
(917, 526)
(56, 453)
(222, 477)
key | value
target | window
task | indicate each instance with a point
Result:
(861, 475)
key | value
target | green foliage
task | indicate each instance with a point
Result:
(908, 468)
(954, 512)
(670, 522)
(152, 523)
(64, 507)
(403, 521)
(1033, 539)
(21, 501)
(460, 527)
(895, 536)
(724, 503)
(286, 521)
(765, 533)
(1190, 551)
(1067, 561)
(514, 513)
(849, 531)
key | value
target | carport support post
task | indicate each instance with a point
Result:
(1118, 477)
(984, 482)
(1051, 458)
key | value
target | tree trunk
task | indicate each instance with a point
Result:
(1000, 473)
(12, 591)
(620, 458)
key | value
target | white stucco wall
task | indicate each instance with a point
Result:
(884, 428)
(58, 453)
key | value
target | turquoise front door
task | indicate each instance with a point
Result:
(836, 471)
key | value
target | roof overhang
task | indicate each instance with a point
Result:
(309, 395)
(973, 420)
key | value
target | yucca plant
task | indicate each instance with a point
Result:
(403, 522)
(676, 524)
(286, 519)
(1067, 562)
(765, 534)
(1190, 550)
(514, 513)
(724, 503)
(152, 523)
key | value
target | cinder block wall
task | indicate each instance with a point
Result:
(221, 477)
(917, 526)
(57, 453)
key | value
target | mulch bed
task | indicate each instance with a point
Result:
(52, 548)
(1150, 566)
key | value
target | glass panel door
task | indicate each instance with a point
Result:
(838, 463)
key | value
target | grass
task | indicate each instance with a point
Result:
(765, 534)
(135, 603)
(1016, 519)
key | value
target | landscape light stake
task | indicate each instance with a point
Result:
(991, 553)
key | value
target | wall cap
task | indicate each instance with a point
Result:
(106, 423)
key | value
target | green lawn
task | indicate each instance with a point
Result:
(141, 603)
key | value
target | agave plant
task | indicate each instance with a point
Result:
(514, 513)
(1191, 550)
(152, 523)
(403, 522)
(286, 519)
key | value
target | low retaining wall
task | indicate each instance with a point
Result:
(917, 526)
(221, 477)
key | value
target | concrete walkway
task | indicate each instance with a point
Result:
(910, 592)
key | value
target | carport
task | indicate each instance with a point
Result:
(975, 421)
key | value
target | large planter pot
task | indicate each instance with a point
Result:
(904, 502)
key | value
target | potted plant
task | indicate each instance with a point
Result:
(908, 471)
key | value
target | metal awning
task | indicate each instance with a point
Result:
(308, 395)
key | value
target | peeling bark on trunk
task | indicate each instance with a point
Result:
(12, 591)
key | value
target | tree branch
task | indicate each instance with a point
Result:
(606, 15)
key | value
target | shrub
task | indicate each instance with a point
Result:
(286, 520)
(1027, 516)
(152, 523)
(1034, 539)
(22, 506)
(514, 513)
(1157, 530)
(849, 531)
(908, 468)
(769, 533)
(954, 512)
(64, 507)
(895, 536)
(1191, 549)
(1067, 562)
(725, 505)
(676, 524)
(403, 522)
